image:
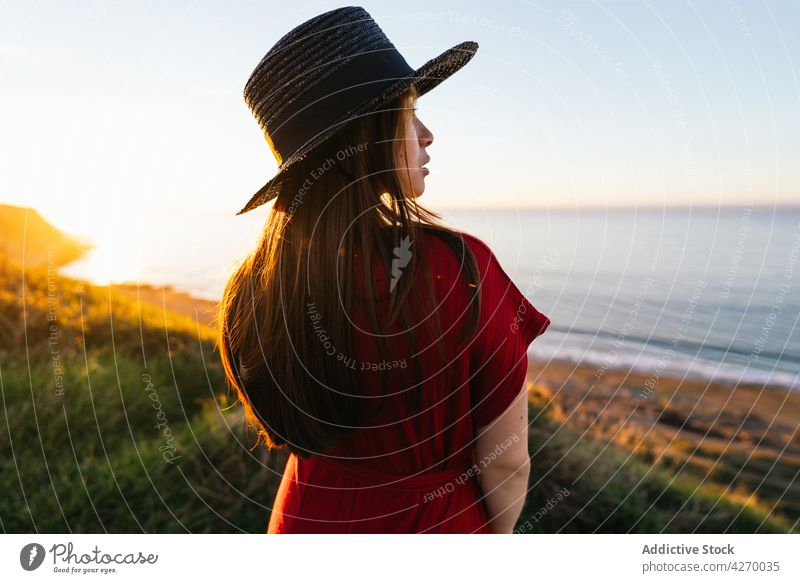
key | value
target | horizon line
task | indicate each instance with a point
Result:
(794, 205)
(682, 206)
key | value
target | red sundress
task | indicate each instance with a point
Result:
(416, 473)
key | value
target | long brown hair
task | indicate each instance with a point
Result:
(339, 212)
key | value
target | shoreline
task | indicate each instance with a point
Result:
(746, 418)
(732, 417)
(204, 311)
(171, 299)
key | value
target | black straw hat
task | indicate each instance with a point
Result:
(324, 73)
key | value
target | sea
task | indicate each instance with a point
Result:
(709, 293)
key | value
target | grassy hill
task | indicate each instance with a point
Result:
(116, 418)
(27, 239)
(582, 483)
(115, 412)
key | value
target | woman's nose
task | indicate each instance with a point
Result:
(425, 135)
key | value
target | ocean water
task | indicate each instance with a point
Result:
(707, 294)
(689, 292)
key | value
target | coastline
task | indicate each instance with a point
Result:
(168, 298)
(686, 415)
(615, 403)
(656, 416)
(739, 417)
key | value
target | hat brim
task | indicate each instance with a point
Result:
(424, 78)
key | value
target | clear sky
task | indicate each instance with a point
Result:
(138, 105)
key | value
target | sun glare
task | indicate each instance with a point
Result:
(114, 259)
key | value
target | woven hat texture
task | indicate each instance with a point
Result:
(326, 72)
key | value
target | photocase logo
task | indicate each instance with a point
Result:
(401, 259)
(31, 556)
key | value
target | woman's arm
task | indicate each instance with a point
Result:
(501, 453)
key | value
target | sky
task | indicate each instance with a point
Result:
(120, 106)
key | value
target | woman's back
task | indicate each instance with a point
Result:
(380, 478)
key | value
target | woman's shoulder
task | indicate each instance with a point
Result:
(438, 239)
(478, 246)
(446, 249)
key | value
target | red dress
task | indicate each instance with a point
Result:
(416, 473)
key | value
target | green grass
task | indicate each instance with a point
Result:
(93, 461)
(86, 454)
(612, 491)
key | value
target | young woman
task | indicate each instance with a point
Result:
(383, 350)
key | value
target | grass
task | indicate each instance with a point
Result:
(81, 447)
(611, 490)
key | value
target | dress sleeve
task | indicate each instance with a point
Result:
(498, 356)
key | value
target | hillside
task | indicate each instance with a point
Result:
(27, 239)
(116, 417)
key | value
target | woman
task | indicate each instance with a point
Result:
(383, 350)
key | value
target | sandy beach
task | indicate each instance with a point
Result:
(617, 405)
